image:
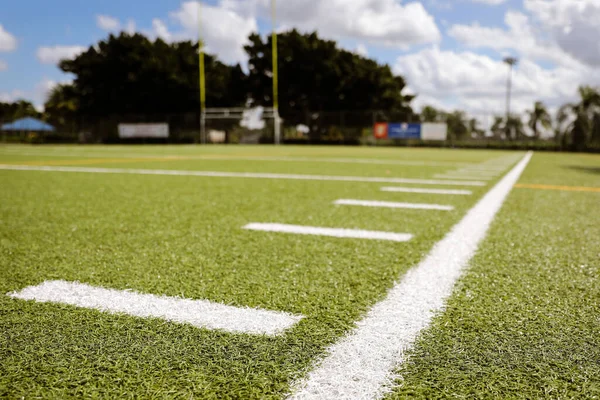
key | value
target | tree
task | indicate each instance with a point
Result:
(539, 116)
(18, 109)
(315, 75)
(498, 129)
(580, 122)
(62, 105)
(457, 125)
(515, 128)
(131, 74)
(474, 128)
(431, 114)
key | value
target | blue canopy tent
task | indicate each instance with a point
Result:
(28, 124)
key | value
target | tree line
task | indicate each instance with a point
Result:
(129, 74)
(574, 126)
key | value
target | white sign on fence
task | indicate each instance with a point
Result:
(132, 131)
(434, 131)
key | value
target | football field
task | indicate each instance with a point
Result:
(298, 272)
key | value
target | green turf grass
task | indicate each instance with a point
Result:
(181, 236)
(524, 321)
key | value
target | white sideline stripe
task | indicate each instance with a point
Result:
(360, 366)
(391, 204)
(458, 176)
(199, 313)
(423, 190)
(334, 232)
(241, 158)
(219, 174)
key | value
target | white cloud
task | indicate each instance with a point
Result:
(111, 24)
(477, 83)
(227, 25)
(160, 30)
(130, 27)
(108, 23)
(521, 36)
(490, 2)
(224, 31)
(53, 55)
(7, 41)
(12, 96)
(362, 50)
(41, 92)
(3, 65)
(573, 24)
(381, 22)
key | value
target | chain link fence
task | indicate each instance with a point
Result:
(340, 127)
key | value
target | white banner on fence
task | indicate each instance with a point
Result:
(434, 131)
(132, 131)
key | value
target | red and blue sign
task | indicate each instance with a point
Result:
(384, 130)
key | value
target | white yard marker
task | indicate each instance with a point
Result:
(334, 232)
(485, 169)
(458, 176)
(478, 174)
(254, 175)
(391, 204)
(475, 171)
(423, 190)
(199, 313)
(360, 366)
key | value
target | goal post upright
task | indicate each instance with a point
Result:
(201, 77)
(275, 75)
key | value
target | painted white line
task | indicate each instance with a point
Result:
(457, 176)
(496, 165)
(219, 174)
(334, 232)
(475, 171)
(356, 161)
(423, 190)
(486, 169)
(199, 313)
(391, 204)
(472, 173)
(241, 158)
(360, 366)
(92, 155)
(505, 163)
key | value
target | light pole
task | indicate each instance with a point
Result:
(511, 61)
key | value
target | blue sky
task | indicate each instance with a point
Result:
(453, 39)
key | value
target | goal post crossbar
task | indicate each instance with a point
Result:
(237, 113)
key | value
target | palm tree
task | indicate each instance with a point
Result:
(457, 124)
(515, 128)
(497, 128)
(474, 128)
(580, 120)
(539, 115)
(61, 105)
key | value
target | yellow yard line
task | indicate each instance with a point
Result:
(563, 188)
